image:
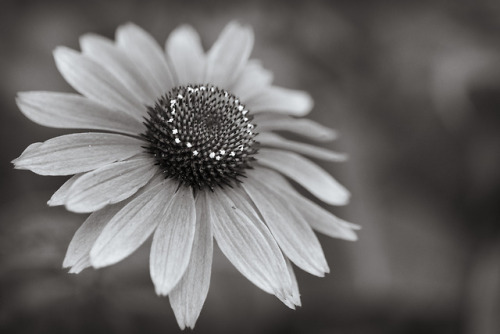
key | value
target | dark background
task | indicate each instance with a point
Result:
(413, 88)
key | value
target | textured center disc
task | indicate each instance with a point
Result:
(200, 135)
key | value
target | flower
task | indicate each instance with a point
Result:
(178, 156)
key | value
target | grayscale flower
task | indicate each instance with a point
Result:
(179, 157)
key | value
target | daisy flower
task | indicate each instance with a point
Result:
(184, 149)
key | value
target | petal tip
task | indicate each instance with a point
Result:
(97, 261)
(21, 97)
(53, 202)
(74, 270)
(81, 207)
(67, 263)
(128, 28)
(61, 51)
(87, 40)
(352, 237)
(341, 157)
(128, 25)
(341, 199)
(291, 301)
(161, 291)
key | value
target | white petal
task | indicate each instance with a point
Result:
(77, 256)
(109, 184)
(147, 56)
(320, 219)
(281, 100)
(325, 222)
(306, 173)
(295, 286)
(273, 140)
(292, 232)
(252, 80)
(132, 225)
(188, 297)
(173, 241)
(72, 111)
(248, 244)
(116, 61)
(229, 54)
(186, 54)
(92, 80)
(60, 196)
(76, 153)
(300, 126)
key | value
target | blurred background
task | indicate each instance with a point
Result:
(414, 90)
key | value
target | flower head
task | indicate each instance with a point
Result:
(188, 154)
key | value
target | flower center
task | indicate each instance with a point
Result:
(200, 135)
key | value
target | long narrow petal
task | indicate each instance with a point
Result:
(73, 111)
(109, 184)
(60, 196)
(325, 222)
(229, 54)
(273, 140)
(253, 79)
(184, 49)
(94, 81)
(300, 126)
(320, 219)
(147, 56)
(292, 232)
(78, 253)
(306, 173)
(188, 297)
(295, 285)
(76, 153)
(281, 100)
(249, 245)
(116, 61)
(131, 226)
(173, 241)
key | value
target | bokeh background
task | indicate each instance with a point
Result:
(414, 90)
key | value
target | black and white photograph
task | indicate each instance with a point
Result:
(303, 167)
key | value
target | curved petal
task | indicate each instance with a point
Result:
(229, 54)
(300, 126)
(292, 232)
(325, 222)
(146, 55)
(306, 173)
(78, 253)
(132, 225)
(109, 184)
(253, 79)
(94, 81)
(281, 100)
(173, 241)
(73, 111)
(184, 49)
(105, 52)
(273, 140)
(320, 219)
(77, 153)
(295, 285)
(60, 196)
(249, 245)
(188, 297)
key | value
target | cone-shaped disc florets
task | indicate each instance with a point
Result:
(200, 135)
